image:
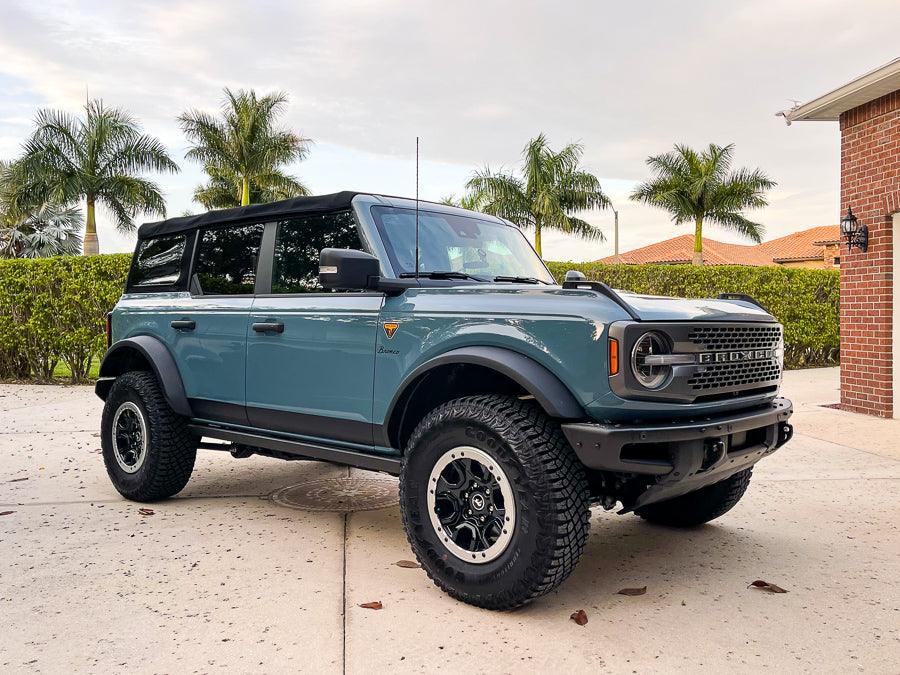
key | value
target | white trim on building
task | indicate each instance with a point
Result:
(896, 309)
(860, 91)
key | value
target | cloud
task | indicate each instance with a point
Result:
(474, 80)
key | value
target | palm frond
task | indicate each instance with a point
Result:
(244, 142)
(100, 156)
(501, 194)
(551, 189)
(49, 230)
(693, 186)
(127, 196)
(738, 223)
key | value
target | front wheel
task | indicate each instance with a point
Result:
(494, 501)
(147, 448)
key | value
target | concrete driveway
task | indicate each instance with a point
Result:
(224, 579)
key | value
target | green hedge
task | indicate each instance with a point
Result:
(53, 311)
(804, 300)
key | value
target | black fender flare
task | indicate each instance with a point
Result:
(548, 390)
(161, 361)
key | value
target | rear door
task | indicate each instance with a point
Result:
(209, 334)
(311, 353)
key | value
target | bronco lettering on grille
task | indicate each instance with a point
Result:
(742, 355)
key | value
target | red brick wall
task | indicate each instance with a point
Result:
(870, 183)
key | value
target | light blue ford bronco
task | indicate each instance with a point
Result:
(432, 343)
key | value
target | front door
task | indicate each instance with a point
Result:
(311, 353)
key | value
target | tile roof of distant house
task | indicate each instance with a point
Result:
(803, 245)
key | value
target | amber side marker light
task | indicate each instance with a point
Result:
(613, 356)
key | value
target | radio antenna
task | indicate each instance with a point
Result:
(417, 208)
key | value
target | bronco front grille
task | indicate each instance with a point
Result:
(740, 339)
(727, 375)
(720, 338)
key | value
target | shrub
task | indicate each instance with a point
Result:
(54, 311)
(805, 301)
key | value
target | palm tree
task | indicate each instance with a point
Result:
(44, 230)
(243, 151)
(551, 187)
(98, 158)
(700, 186)
(467, 201)
(224, 190)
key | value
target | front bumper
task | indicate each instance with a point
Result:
(683, 456)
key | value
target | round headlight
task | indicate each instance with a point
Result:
(649, 374)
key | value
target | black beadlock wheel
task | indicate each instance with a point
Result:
(701, 506)
(494, 501)
(148, 450)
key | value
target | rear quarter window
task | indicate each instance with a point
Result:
(158, 262)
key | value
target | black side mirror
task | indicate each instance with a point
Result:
(347, 269)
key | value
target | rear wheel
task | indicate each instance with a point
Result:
(147, 448)
(494, 501)
(700, 506)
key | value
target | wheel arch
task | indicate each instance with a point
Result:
(475, 370)
(144, 352)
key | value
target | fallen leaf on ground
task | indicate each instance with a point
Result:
(766, 586)
(632, 591)
(409, 564)
(6, 513)
(372, 605)
(146, 512)
(579, 617)
(17, 480)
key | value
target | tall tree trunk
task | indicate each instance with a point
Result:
(537, 237)
(698, 241)
(245, 191)
(91, 243)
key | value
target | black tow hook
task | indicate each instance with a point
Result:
(713, 453)
(785, 433)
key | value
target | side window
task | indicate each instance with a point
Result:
(159, 262)
(226, 259)
(298, 242)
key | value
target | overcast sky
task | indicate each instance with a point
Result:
(475, 80)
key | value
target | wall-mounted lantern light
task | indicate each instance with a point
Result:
(854, 233)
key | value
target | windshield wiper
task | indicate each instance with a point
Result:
(521, 280)
(441, 274)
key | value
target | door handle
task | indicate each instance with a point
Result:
(184, 325)
(269, 327)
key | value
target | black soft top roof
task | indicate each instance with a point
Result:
(252, 213)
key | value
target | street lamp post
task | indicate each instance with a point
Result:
(616, 231)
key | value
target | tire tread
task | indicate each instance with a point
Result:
(555, 477)
(171, 442)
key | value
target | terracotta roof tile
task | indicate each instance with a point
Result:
(803, 245)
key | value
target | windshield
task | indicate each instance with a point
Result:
(460, 244)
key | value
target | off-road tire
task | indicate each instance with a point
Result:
(171, 448)
(551, 495)
(700, 506)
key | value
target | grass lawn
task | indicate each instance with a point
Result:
(62, 371)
